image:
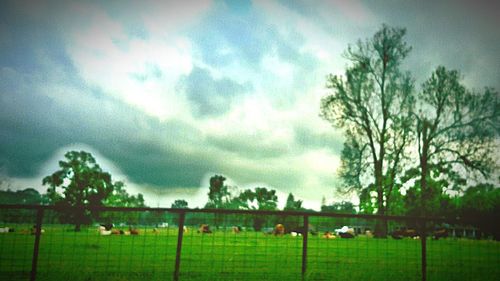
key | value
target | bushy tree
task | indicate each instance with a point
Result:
(83, 184)
(292, 204)
(218, 194)
(480, 206)
(28, 196)
(179, 204)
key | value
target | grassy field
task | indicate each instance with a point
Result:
(249, 255)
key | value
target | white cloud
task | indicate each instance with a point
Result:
(108, 58)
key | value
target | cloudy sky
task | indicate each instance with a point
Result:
(166, 94)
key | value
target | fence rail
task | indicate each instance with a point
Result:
(168, 244)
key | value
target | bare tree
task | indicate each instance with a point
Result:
(373, 104)
(455, 128)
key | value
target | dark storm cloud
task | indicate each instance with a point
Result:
(461, 35)
(34, 127)
(25, 40)
(209, 96)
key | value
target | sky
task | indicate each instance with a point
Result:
(167, 94)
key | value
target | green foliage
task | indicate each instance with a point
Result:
(85, 184)
(28, 196)
(119, 197)
(179, 204)
(343, 207)
(218, 194)
(480, 205)
(261, 199)
(291, 204)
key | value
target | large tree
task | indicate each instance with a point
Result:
(457, 133)
(83, 184)
(219, 195)
(373, 104)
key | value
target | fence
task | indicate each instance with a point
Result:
(39, 243)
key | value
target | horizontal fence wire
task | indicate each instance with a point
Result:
(144, 244)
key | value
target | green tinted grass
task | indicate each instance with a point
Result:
(223, 255)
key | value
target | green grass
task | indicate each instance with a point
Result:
(66, 255)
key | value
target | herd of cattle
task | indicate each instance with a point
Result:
(277, 230)
(344, 232)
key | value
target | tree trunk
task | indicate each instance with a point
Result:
(424, 171)
(381, 225)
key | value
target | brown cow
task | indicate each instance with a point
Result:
(236, 229)
(440, 233)
(279, 229)
(329, 235)
(204, 228)
(133, 231)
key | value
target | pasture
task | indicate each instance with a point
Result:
(248, 255)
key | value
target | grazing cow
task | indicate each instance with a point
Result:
(133, 231)
(405, 232)
(236, 229)
(6, 229)
(107, 226)
(328, 235)
(346, 235)
(279, 229)
(345, 232)
(116, 231)
(301, 230)
(185, 229)
(33, 230)
(440, 233)
(204, 228)
(102, 230)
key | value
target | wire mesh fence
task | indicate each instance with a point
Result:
(40, 242)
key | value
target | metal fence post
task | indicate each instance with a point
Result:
(36, 247)
(304, 245)
(180, 235)
(423, 238)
